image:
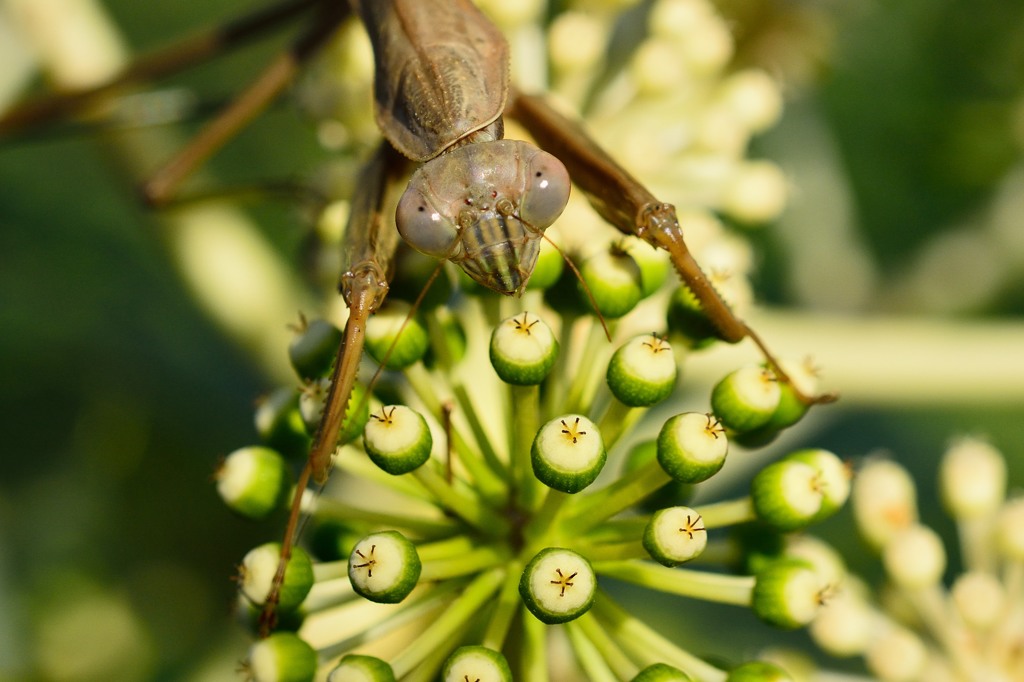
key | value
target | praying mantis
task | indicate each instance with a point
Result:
(442, 88)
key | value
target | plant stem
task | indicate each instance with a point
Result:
(508, 603)
(416, 523)
(622, 494)
(469, 508)
(535, 650)
(465, 564)
(455, 618)
(525, 412)
(726, 589)
(728, 513)
(648, 645)
(611, 655)
(617, 420)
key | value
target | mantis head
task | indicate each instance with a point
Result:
(485, 206)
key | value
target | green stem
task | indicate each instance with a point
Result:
(415, 523)
(429, 668)
(424, 384)
(330, 570)
(328, 593)
(544, 520)
(465, 564)
(490, 455)
(508, 604)
(611, 656)
(618, 419)
(585, 380)
(355, 462)
(535, 650)
(336, 630)
(621, 551)
(525, 413)
(445, 549)
(489, 485)
(622, 494)
(468, 507)
(728, 513)
(439, 340)
(716, 587)
(454, 620)
(618, 530)
(647, 645)
(557, 383)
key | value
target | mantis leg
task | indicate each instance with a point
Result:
(630, 207)
(368, 250)
(47, 109)
(247, 105)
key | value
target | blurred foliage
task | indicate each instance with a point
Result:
(118, 396)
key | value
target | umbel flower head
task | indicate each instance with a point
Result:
(493, 478)
(916, 626)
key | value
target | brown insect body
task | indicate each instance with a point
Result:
(441, 73)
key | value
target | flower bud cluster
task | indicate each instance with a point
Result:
(969, 628)
(495, 475)
(501, 504)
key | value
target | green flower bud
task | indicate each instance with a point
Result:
(384, 567)
(669, 495)
(314, 348)
(660, 672)
(790, 409)
(787, 494)
(757, 544)
(758, 671)
(477, 663)
(899, 655)
(846, 627)
(746, 398)
(558, 585)
(692, 447)
(803, 376)
(675, 535)
(282, 657)
(614, 280)
(256, 575)
(686, 317)
(568, 453)
(332, 540)
(972, 479)
(788, 594)
(397, 439)
(915, 558)
(833, 479)
(254, 481)
(653, 263)
(642, 371)
(755, 438)
(523, 350)
(311, 406)
(392, 330)
(311, 403)
(279, 423)
(550, 264)
(358, 668)
(452, 339)
(412, 270)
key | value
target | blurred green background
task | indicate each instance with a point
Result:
(903, 135)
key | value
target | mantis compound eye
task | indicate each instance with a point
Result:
(424, 227)
(546, 190)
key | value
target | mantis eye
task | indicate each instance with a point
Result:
(546, 191)
(424, 227)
